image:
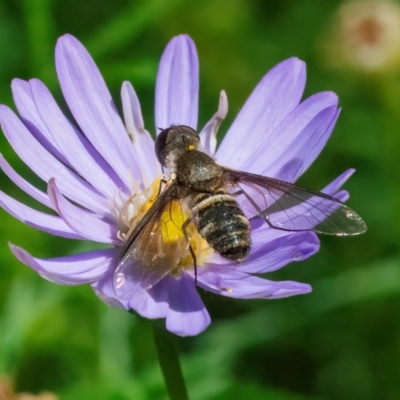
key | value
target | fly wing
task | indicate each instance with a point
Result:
(146, 256)
(288, 207)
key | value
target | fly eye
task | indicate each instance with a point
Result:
(160, 144)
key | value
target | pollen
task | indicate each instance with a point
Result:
(169, 227)
(172, 221)
(191, 147)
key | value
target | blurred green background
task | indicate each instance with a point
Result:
(342, 341)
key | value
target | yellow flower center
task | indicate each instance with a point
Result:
(172, 219)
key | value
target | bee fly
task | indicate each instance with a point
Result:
(209, 191)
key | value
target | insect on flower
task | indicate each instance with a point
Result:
(204, 223)
(207, 190)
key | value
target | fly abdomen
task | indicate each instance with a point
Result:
(222, 223)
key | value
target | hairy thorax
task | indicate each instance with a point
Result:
(199, 172)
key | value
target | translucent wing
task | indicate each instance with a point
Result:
(288, 207)
(146, 256)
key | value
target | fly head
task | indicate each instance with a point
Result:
(174, 141)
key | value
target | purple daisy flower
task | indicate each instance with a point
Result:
(101, 174)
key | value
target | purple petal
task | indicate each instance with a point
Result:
(342, 195)
(307, 145)
(77, 150)
(290, 169)
(23, 99)
(44, 222)
(317, 129)
(269, 255)
(275, 97)
(149, 304)
(23, 184)
(91, 104)
(141, 139)
(231, 283)
(177, 86)
(187, 315)
(334, 186)
(315, 146)
(153, 303)
(72, 270)
(297, 124)
(134, 123)
(290, 288)
(84, 223)
(104, 289)
(208, 135)
(46, 166)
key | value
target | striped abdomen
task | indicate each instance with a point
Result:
(221, 222)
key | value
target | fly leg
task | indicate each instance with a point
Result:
(162, 181)
(187, 238)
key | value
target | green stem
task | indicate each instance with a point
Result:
(168, 356)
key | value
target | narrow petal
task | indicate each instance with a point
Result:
(270, 255)
(208, 135)
(78, 151)
(134, 123)
(307, 145)
(91, 104)
(231, 283)
(39, 220)
(187, 315)
(289, 170)
(290, 288)
(104, 289)
(275, 97)
(23, 99)
(282, 137)
(46, 166)
(342, 195)
(271, 249)
(141, 139)
(153, 303)
(177, 86)
(314, 149)
(84, 223)
(37, 194)
(149, 304)
(72, 270)
(335, 185)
